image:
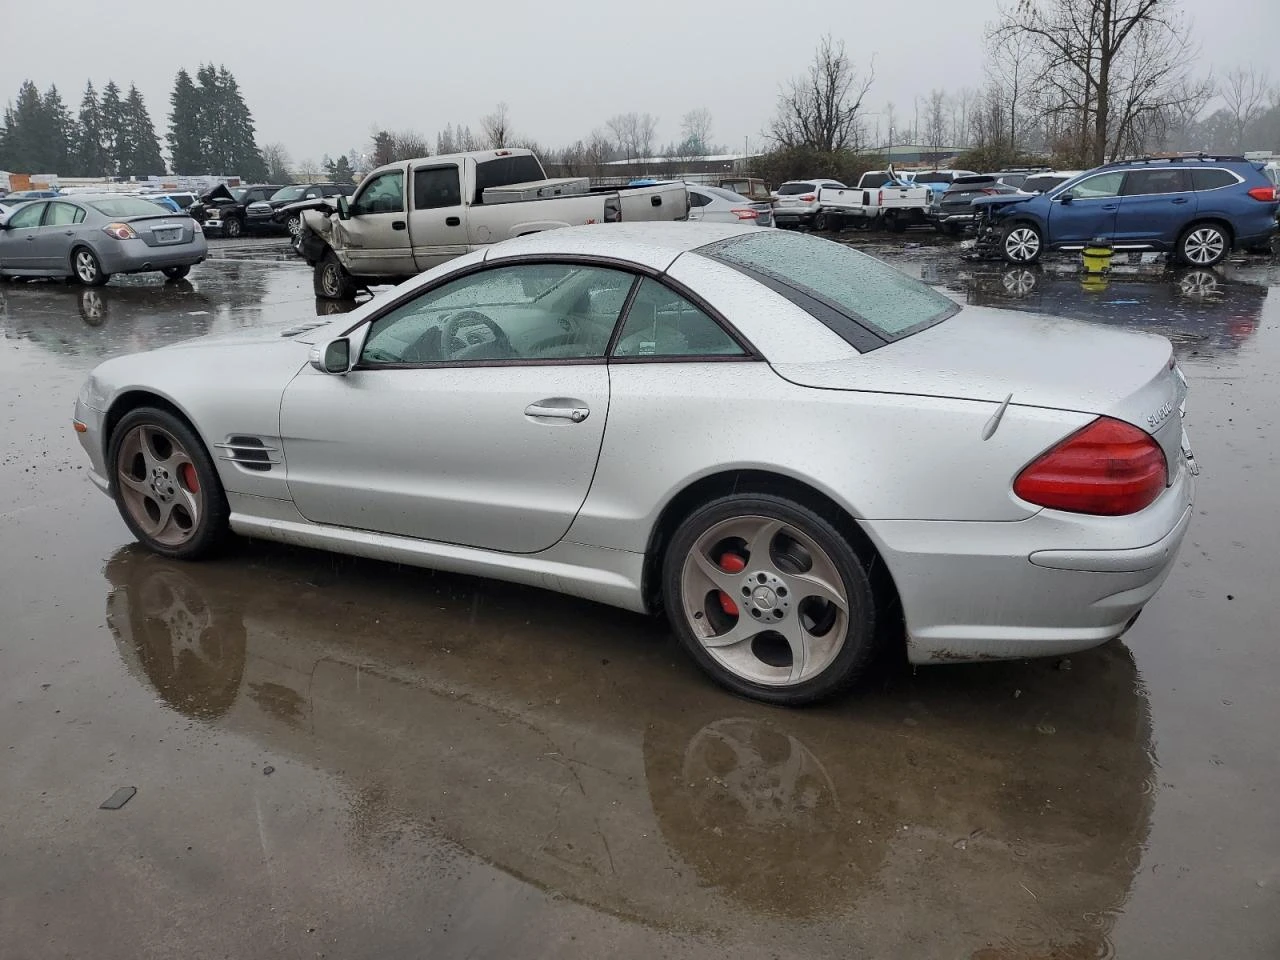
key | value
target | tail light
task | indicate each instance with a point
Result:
(1108, 469)
(809, 198)
(121, 231)
(1265, 194)
(990, 191)
(880, 201)
(745, 214)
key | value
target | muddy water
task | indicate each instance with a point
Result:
(343, 758)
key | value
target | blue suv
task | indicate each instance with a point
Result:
(1197, 208)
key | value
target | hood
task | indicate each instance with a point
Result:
(1003, 199)
(263, 337)
(987, 354)
(218, 191)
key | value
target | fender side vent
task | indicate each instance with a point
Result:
(251, 453)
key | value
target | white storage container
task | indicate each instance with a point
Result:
(538, 190)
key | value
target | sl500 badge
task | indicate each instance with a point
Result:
(1161, 414)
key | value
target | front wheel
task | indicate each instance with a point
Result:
(294, 225)
(165, 485)
(88, 268)
(232, 228)
(176, 273)
(770, 599)
(1203, 245)
(331, 280)
(1021, 243)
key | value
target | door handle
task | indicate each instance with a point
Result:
(1179, 199)
(397, 224)
(1109, 206)
(558, 408)
(452, 221)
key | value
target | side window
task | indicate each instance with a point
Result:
(1212, 179)
(1103, 185)
(435, 188)
(63, 215)
(697, 199)
(1139, 183)
(28, 216)
(661, 323)
(519, 312)
(311, 194)
(383, 194)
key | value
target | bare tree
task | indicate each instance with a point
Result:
(935, 124)
(695, 131)
(278, 163)
(1184, 114)
(496, 127)
(1080, 50)
(598, 151)
(1245, 92)
(822, 110)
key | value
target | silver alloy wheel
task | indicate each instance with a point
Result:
(782, 617)
(1204, 246)
(86, 266)
(1022, 244)
(159, 485)
(294, 226)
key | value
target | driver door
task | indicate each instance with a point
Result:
(1086, 210)
(376, 237)
(474, 414)
(19, 244)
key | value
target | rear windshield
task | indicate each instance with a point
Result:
(126, 207)
(982, 179)
(795, 189)
(504, 171)
(934, 177)
(726, 195)
(866, 296)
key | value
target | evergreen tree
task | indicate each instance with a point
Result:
(59, 130)
(141, 156)
(24, 133)
(211, 120)
(90, 159)
(342, 172)
(186, 152)
(114, 138)
(242, 148)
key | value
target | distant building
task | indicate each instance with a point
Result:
(914, 154)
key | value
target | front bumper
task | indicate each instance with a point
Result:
(91, 440)
(1052, 584)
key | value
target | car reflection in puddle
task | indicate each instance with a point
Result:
(994, 810)
(1204, 312)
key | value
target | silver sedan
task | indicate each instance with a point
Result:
(795, 451)
(717, 205)
(92, 236)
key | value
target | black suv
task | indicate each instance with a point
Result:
(262, 214)
(222, 209)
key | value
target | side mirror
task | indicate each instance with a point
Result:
(333, 357)
(1066, 198)
(344, 208)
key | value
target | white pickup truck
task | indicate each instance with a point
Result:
(879, 196)
(412, 215)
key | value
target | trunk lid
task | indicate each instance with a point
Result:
(163, 231)
(987, 354)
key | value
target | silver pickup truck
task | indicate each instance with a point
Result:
(412, 215)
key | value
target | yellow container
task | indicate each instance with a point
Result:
(1097, 259)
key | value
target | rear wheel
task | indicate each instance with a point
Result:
(1203, 244)
(331, 279)
(165, 485)
(176, 273)
(88, 268)
(1021, 243)
(770, 599)
(820, 222)
(894, 223)
(232, 227)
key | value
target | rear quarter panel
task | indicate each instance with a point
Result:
(493, 222)
(638, 205)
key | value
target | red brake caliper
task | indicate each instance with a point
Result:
(190, 479)
(730, 563)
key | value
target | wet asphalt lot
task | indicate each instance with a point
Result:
(343, 758)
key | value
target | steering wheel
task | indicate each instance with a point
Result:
(452, 345)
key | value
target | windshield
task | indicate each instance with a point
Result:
(127, 207)
(793, 189)
(864, 292)
(289, 194)
(240, 193)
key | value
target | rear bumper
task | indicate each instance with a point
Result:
(133, 256)
(794, 215)
(1054, 583)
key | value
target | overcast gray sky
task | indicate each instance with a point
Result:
(320, 75)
